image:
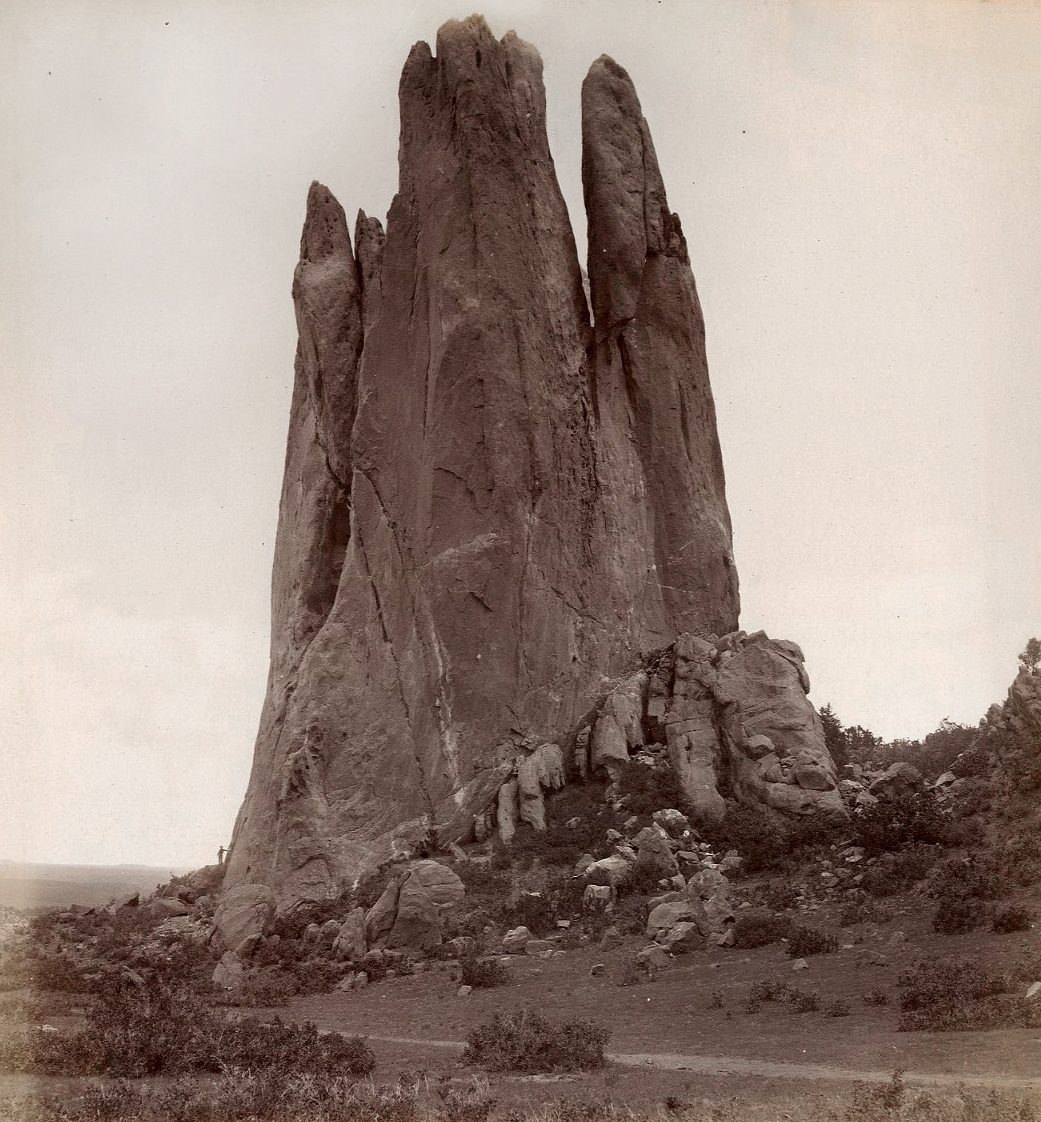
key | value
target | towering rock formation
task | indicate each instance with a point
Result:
(490, 507)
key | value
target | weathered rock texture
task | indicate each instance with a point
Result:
(724, 713)
(490, 504)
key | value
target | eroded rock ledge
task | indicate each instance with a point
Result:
(727, 714)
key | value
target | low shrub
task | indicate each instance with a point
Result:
(321, 977)
(959, 994)
(295, 923)
(635, 971)
(481, 879)
(838, 1008)
(897, 872)
(1011, 918)
(526, 1041)
(876, 996)
(647, 789)
(760, 837)
(802, 1002)
(979, 875)
(533, 911)
(799, 1001)
(806, 941)
(895, 823)
(862, 909)
(482, 973)
(243, 1095)
(759, 928)
(956, 915)
(269, 989)
(776, 894)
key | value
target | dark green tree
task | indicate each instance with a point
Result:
(1030, 655)
(834, 735)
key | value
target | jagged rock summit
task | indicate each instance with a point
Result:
(492, 506)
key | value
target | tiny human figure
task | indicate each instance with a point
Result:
(220, 855)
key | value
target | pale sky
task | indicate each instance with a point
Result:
(858, 185)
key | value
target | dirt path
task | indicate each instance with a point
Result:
(769, 1069)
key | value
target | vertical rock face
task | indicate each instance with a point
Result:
(489, 506)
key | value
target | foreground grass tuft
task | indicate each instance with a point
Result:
(273, 1097)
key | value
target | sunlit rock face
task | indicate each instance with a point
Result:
(491, 504)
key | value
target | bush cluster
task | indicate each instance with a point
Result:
(758, 928)
(897, 872)
(482, 973)
(797, 1000)
(647, 789)
(895, 823)
(953, 994)
(805, 941)
(526, 1041)
(156, 1029)
(1011, 918)
(767, 841)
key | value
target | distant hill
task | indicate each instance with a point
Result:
(28, 886)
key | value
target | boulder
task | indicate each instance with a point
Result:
(615, 869)
(515, 940)
(417, 921)
(683, 938)
(245, 909)
(610, 938)
(665, 916)
(328, 931)
(350, 941)
(619, 727)
(167, 907)
(542, 771)
(440, 883)
(229, 973)
(719, 913)
(653, 957)
(898, 779)
(672, 822)
(598, 898)
(654, 856)
(379, 919)
(507, 812)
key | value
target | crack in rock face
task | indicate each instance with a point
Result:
(491, 506)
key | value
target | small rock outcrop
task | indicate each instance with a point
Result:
(491, 503)
(725, 711)
(408, 914)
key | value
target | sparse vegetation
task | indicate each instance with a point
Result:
(647, 789)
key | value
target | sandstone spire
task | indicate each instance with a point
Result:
(529, 508)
